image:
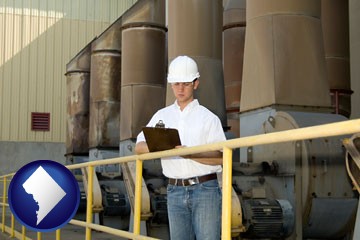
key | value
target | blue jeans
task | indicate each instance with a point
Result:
(195, 211)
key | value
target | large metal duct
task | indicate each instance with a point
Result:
(234, 40)
(77, 102)
(105, 82)
(143, 66)
(77, 112)
(284, 60)
(142, 93)
(195, 29)
(335, 24)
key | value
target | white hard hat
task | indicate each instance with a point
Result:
(182, 69)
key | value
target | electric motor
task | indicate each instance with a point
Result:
(266, 218)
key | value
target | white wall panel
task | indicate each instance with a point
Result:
(37, 39)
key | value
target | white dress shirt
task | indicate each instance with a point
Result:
(196, 125)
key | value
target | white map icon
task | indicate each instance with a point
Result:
(46, 192)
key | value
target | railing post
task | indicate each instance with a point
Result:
(23, 232)
(12, 225)
(58, 235)
(138, 186)
(226, 194)
(89, 201)
(3, 206)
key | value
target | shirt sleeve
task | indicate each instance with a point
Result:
(140, 137)
(216, 132)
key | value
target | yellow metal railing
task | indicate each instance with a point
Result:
(326, 130)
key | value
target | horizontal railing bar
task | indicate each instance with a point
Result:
(113, 231)
(17, 234)
(319, 131)
(7, 175)
(107, 161)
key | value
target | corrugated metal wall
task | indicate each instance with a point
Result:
(37, 39)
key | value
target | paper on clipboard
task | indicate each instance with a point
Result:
(160, 138)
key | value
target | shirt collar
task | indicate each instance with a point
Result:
(188, 107)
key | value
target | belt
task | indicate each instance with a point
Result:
(192, 181)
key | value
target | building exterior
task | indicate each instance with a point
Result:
(37, 40)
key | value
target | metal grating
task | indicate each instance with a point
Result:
(40, 121)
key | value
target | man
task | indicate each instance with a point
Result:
(193, 192)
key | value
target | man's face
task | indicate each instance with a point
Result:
(184, 91)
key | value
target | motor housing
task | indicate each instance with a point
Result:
(267, 218)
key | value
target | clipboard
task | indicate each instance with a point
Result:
(160, 138)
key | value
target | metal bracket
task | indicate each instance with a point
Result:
(271, 120)
(249, 151)
(352, 146)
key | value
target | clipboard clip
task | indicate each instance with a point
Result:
(160, 124)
